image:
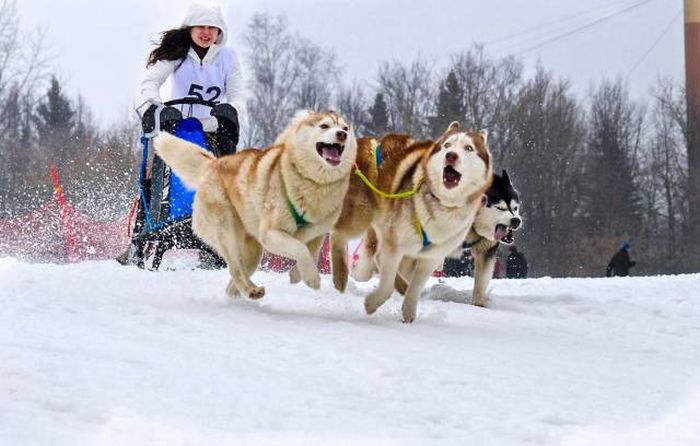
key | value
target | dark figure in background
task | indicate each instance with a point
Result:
(516, 265)
(620, 263)
(459, 267)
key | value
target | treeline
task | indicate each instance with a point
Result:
(592, 171)
(41, 126)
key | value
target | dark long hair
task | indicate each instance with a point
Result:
(174, 45)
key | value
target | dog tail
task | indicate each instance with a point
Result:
(189, 161)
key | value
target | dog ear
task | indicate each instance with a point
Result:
(484, 134)
(301, 114)
(454, 125)
(506, 178)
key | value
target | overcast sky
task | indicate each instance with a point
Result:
(99, 47)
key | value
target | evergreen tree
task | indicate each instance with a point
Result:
(55, 124)
(613, 202)
(11, 117)
(449, 104)
(379, 116)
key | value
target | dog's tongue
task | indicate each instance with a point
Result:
(331, 155)
(501, 231)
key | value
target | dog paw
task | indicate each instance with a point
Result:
(257, 292)
(314, 282)
(479, 301)
(409, 313)
(361, 274)
(294, 275)
(372, 302)
(340, 283)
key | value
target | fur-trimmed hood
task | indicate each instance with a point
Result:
(206, 14)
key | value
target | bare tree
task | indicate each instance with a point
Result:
(274, 75)
(317, 75)
(408, 92)
(490, 91)
(23, 68)
(663, 181)
(352, 103)
(289, 73)
(550, 135)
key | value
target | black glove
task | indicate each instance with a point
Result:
(228, 129)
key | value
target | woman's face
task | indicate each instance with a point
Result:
(204, 36)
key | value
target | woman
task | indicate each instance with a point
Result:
(201, 67)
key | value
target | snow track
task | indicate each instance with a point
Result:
(98, 354)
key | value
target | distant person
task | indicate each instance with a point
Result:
(459, 267)
(516, 265)
(620, 263)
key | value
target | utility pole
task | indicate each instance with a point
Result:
(692, 85)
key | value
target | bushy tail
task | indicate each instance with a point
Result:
(188, 160)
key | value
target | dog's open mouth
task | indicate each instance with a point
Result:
(450, 177)
(508, 239)
(504, 234)
(330, 152)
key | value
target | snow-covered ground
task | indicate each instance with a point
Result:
(99, 354)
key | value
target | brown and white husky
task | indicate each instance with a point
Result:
(282, 198)
(449, 178)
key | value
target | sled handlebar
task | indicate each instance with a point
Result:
(191, 101)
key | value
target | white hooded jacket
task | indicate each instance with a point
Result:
(220, 65)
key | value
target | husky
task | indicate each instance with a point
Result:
(360, 202)
(283, 198)
(494, 224)
(446, 180)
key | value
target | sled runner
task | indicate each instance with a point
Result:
(163, 214)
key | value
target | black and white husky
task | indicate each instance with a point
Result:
(494, 224)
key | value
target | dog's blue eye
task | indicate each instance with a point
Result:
(469, 148)
(447, 145)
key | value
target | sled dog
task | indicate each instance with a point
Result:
(494, 224)
(361, 202)
(282, 198)
(449, 177)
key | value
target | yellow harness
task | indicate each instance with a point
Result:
(377, 161)
(405, 194)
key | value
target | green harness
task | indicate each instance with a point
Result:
(298, 218)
